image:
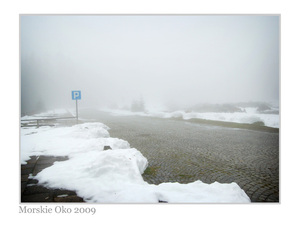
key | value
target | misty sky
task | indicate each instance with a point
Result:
(166, 60)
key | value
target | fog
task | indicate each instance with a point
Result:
(167, 60)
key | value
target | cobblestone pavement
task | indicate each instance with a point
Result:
(32, 192)
(180, 151)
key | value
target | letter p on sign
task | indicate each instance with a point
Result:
(76, 95)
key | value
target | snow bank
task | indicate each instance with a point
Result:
(99, 176)
(48, 114)
(111, 176)
(249, 116)
(270, 120)
(66, 141)
(208, 193)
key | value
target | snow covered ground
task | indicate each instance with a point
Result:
(50, 113)
(110, 176)
(250, 115)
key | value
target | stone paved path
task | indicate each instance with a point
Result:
(180, 151)
(32, 192)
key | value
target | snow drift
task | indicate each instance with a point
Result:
(249, 115)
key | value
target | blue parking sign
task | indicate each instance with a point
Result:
(76, 95)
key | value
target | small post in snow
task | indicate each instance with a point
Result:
(76, 95)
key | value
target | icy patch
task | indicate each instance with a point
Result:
(62, 196)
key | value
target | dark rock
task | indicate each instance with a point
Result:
(107, 147)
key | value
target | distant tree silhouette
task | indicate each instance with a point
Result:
(138, 106)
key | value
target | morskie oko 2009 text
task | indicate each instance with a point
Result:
(57, 209)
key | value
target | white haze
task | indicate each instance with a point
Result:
(168, 60)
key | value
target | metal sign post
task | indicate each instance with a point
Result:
(76, 95)
(76, 111)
